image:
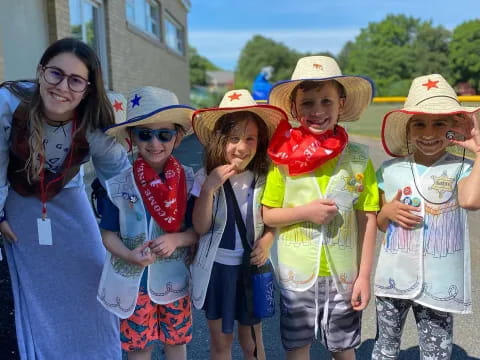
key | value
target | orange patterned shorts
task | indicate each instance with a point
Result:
(170, 324)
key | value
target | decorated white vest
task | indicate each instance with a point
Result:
(296, 253)
(431, 263)
(168, 279)
(210, 241)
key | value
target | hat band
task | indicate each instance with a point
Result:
(436, 96)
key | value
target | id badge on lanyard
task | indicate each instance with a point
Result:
(44, 227)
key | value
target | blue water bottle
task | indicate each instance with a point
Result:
(263, 291)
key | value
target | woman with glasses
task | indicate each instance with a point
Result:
(49, 127)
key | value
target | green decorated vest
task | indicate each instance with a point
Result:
(298, 246)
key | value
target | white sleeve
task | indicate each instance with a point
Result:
(8, 104)
(199, 179)
(109, 157)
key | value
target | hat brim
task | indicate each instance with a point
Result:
(394, 126)
(174, 114)
(204, 120)
(359, 93)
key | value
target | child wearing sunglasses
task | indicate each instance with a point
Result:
(235, 136)
(145, 279)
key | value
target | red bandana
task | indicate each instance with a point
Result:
(302, 151)
(165, 200)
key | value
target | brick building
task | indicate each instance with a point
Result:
(139, 42)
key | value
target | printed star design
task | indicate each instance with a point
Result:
(136, 101)
(431, 84)
(118, 106)
(234, 96)
(442, 184)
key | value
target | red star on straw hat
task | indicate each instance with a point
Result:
(431, 84)
(234, 96)
(118, 106)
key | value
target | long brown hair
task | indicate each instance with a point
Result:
(93, 112)
(215, 154)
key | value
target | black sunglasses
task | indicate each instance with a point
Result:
(145, 134)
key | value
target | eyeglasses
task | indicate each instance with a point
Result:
(54, 76)
(163, 135)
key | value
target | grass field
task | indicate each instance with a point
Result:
(370, 124)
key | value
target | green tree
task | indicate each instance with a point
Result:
(198, 67)
(395, 50)
(464, 53)
(259, 52)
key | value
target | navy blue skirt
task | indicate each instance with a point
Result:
(226, 298)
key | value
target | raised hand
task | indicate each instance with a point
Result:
(471, 133)
(218, 176)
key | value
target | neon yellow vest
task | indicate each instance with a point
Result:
(298, 246)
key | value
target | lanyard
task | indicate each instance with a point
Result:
(43, 186)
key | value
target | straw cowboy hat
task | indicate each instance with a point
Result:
(359, 89)
(204, 120)
(428, 94)
(151, 105)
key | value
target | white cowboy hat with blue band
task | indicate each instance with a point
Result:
(359, 89)
(151, 105)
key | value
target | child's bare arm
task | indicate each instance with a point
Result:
(398, 212)
(139, 256)
(261, 248)
(202, 210)
(468, 187)
(367, 233)
(320, 211)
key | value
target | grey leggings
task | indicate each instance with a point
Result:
(435, 329)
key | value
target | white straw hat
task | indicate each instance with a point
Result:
(152, 105)
(204, 120)
(428, 94)
(359, 89)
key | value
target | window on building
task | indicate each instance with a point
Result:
(174, 35)
(144, 14)
(87, 24)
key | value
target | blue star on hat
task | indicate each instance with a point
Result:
(136, 101)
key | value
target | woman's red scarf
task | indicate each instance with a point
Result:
(303, 151)
(166, 200)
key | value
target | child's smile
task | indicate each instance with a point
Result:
(427, 134)
(318, 109)
(242, 144)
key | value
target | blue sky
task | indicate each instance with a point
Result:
(220, 28)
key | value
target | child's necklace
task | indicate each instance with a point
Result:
(454, 188)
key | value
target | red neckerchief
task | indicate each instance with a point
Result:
(303, 151)
(166, 201)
